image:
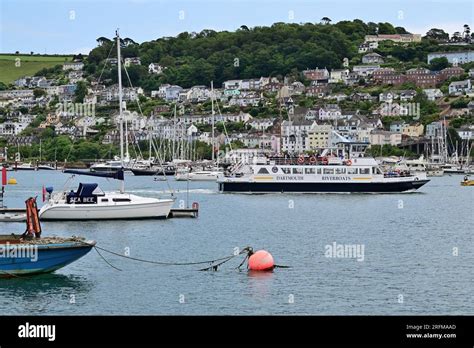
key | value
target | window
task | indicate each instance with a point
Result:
(310, 170)
(104, 200)
(286, 170)
(364, 171)
(319, 170)
(340, 170)
(297, 170)
(121, 199)
(263, 171)
(351, 170)
(328, 171)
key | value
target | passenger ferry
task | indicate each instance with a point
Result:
(325, 173)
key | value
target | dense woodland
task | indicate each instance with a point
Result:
(280, 50)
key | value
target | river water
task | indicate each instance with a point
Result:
(416, 254)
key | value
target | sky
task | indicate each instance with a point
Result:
(72, 26)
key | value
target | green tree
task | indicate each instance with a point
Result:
(81, 92)
(38, 93)
(438, 64)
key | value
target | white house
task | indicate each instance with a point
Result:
(466, 132)
(338, 75)
(155, 68)
(295, 135)
(73, 66)
(381, 137)
(459, 87)
(365, 70)
(433, 93)
(261, 124)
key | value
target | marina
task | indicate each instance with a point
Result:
(408, 249)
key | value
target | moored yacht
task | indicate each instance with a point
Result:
(89, 202)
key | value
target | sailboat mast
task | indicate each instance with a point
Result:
(212, 107)
(119, 68)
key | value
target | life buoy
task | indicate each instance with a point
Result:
(301, 159)
(348, 162)
(312, 160)
(325, 160)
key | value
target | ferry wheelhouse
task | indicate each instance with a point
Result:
(329, 172)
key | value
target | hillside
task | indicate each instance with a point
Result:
(28, 65)
(279, 50)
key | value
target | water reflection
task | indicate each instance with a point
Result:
(42, 293)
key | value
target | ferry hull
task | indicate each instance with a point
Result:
(318, 187)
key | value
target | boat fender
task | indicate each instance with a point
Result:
(196, 206)
(416, 178)
(349, 162)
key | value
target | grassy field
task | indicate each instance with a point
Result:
(28, 65)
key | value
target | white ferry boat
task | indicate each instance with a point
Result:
(317, 174)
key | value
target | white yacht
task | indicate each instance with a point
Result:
(89, 202)
(202, 175)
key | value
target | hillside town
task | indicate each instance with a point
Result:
(367, 101)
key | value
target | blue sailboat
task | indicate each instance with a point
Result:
(29, 253)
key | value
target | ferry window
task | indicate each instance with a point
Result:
(328, 171)
(104, 200)
(310, 170)
(374, 170)
(121, 199)
(364, 171)
(263, 171)
(286, 170)
(351, 170)
(340, 170)
(297, 170)
(319, 170)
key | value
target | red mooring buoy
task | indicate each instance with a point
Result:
(261, 260)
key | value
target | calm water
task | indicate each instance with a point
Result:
(408, 244)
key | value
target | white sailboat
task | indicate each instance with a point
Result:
(204, 174)
(89, 202)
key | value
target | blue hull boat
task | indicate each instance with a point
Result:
(20, 256)
(29, 253)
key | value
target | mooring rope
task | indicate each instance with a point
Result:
(220, 260)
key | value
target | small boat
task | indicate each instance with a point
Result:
(203, 175)
(154, 170)
(12, 215)
(23, 166)
(45, 167)
(29, 253)
(467, 182)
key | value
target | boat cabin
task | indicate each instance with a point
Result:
(85, 194)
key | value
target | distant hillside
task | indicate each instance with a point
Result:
(280, 50)
(28, 65)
